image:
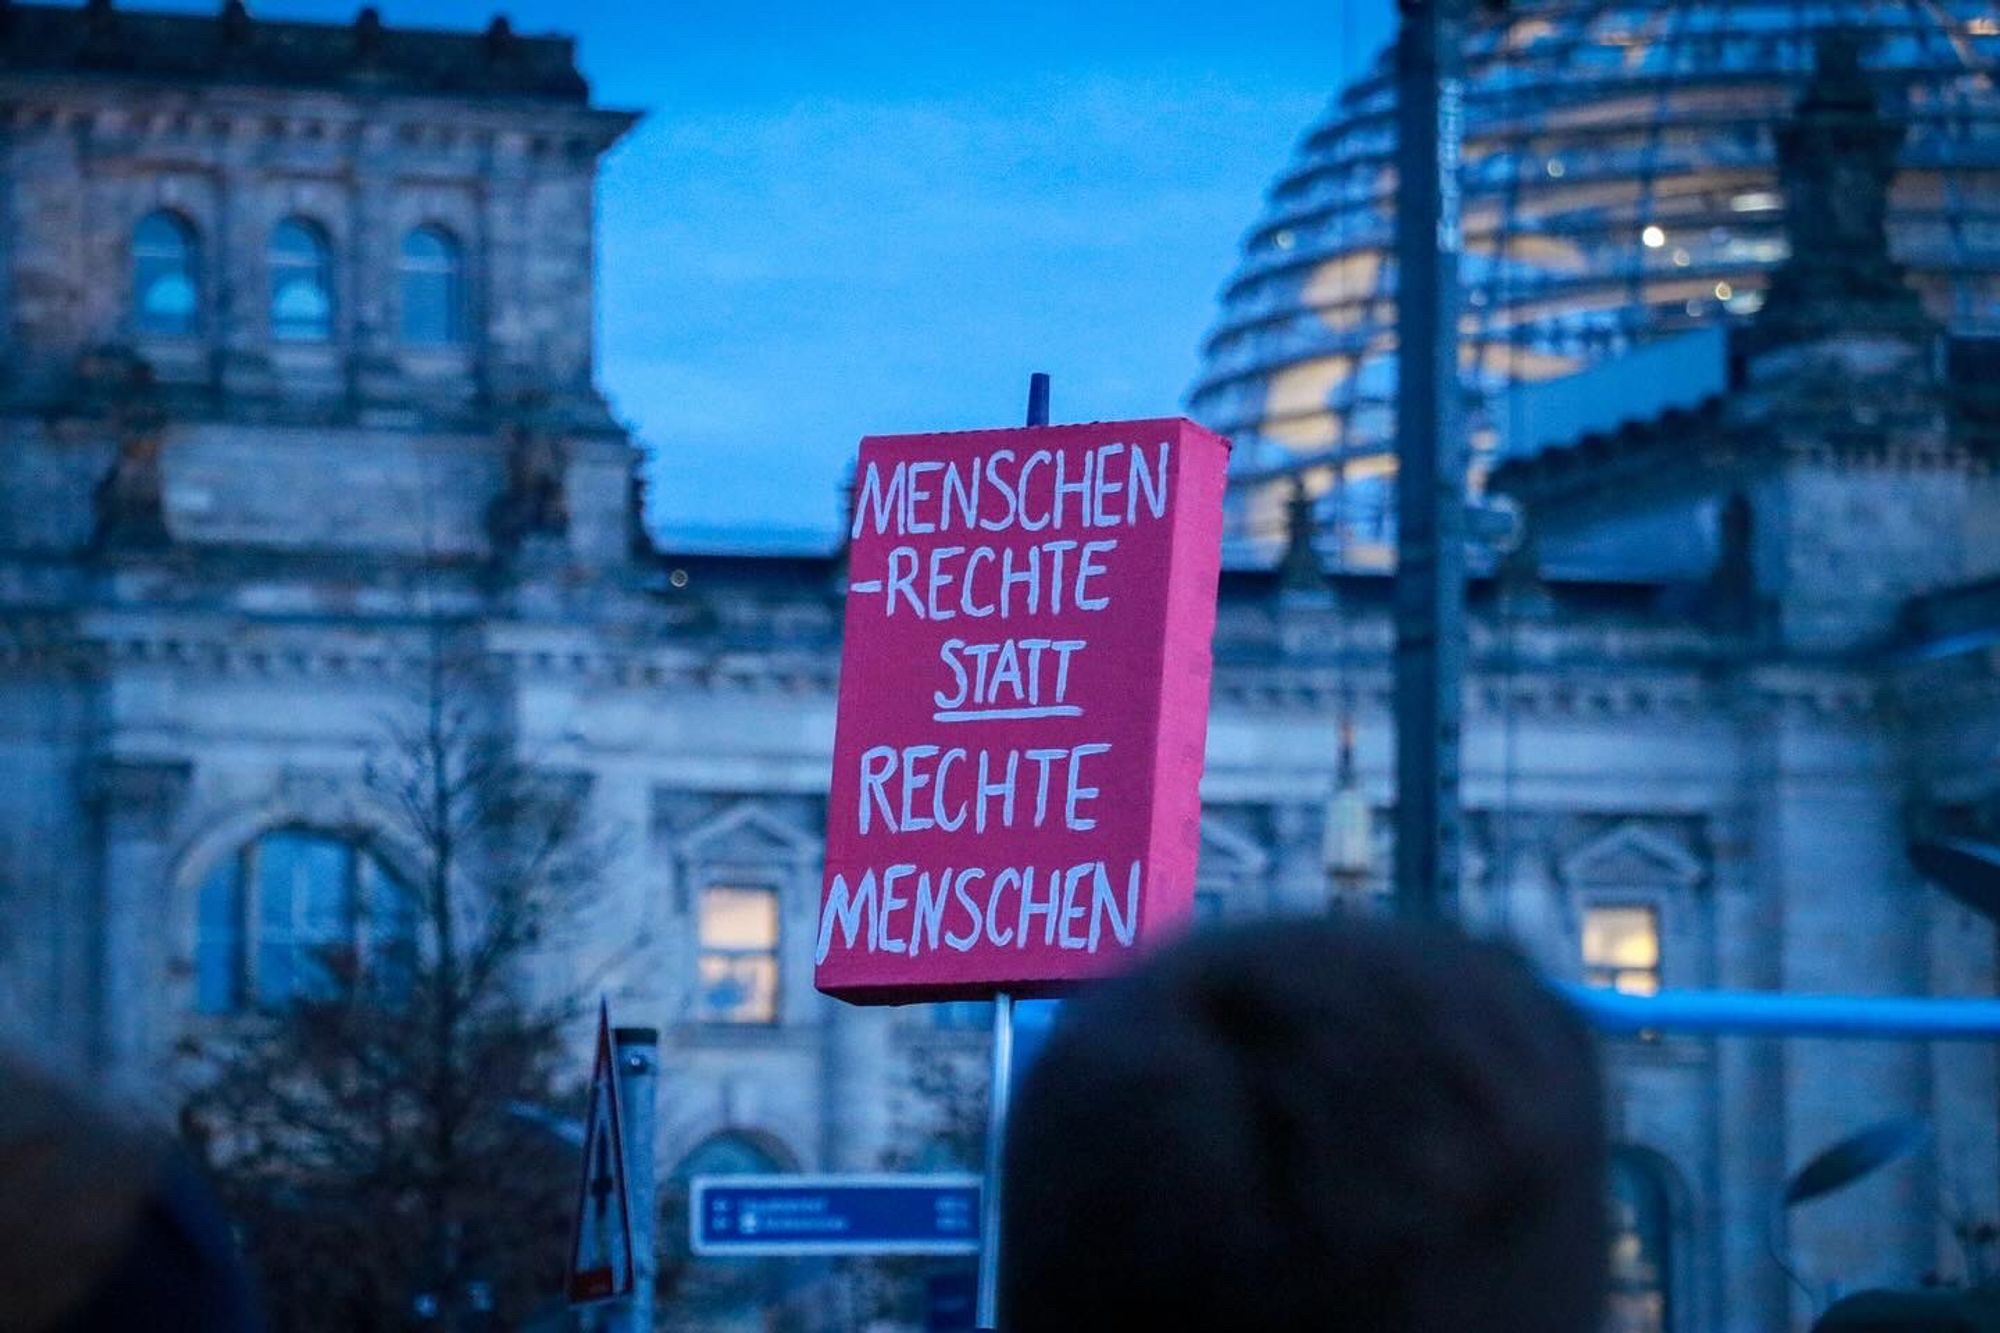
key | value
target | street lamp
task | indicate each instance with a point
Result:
(1348, 849)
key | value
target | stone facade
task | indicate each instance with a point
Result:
(223, 555)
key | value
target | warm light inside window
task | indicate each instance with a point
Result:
(739, 919)
(1621, 949)
(738, 968)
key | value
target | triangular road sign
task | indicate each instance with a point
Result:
(600, 1254)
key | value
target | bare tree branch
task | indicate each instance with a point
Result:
(377, 1117)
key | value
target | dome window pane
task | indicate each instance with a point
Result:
(1586, 175)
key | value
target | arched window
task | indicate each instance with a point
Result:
(719, 1289)
(301, 283)
(433, 288)
(166, 277)
(297, 915)
(728, 1155)
(1641, 1237)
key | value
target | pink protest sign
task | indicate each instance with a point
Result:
(1023, 707)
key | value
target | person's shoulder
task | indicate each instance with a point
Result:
(72, 1183)
(102, 1223)
(180, 1266)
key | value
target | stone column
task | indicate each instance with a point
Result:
(1530, 901)
(565, 238)
(1749, 1166)
(508, 352)
(855, 1063)
(1834, 852)
(376, 373)
(1965, 1076)
(241, 283)
(45, 198)
(134, 806)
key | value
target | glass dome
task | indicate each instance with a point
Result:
(1619, 186)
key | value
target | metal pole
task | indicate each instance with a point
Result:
(1038, 399)
(1430, 458)
(997, 1098)
(1000, 1088)
(636, 1051)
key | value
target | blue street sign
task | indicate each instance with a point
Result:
(759, 1216)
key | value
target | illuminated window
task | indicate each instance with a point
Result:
(293, 916)
(301, 283)
(433, 288)
(1641, 1221)
(1621, 949)
(739, 955)
(166, 293)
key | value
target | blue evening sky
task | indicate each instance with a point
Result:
(843, 218)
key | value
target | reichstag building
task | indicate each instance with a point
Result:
(299, 375)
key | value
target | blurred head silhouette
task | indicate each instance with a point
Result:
(103, 1225)
(1974, 1311)
(1309, 1125)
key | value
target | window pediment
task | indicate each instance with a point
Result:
(1633, 855)
(747, 833)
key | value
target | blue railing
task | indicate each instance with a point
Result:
(1750, 1013)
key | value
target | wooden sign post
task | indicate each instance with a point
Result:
(1015, 804)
